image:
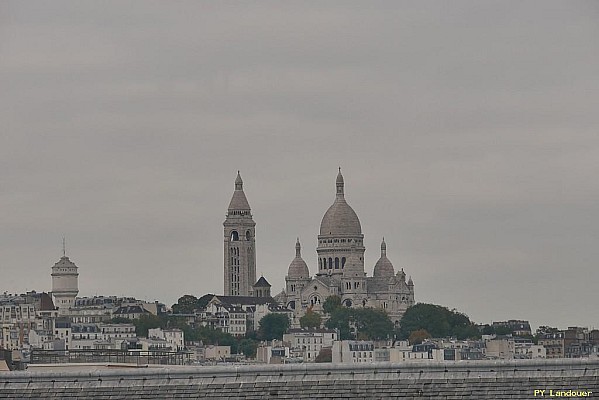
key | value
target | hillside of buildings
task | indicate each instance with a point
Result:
(236, 329)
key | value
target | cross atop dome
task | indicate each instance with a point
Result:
(298, 249)
(340, 184)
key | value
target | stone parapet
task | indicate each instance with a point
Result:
(514, 379)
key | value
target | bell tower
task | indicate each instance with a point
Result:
(239, 245)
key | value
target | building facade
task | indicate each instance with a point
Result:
(307, 343)
(340, 260)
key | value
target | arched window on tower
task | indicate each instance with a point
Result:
(342, 262)
(330, 262)
(324, 263)
(248, 235)
(336, 262)
(234, 236)
(320, 263)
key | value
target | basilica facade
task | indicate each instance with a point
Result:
(341, 272)
(340, 263)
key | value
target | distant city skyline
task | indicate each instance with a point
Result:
(467, 135)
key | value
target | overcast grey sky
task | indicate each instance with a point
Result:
(467, 133)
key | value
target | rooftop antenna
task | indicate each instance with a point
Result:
(64, 247)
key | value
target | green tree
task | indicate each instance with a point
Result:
(438, 321)
(325, 355)
(213, 336)
(340, 320)
(146, 322)
(224, 339)
(190, 334)
(367, 323)
(331, 304)
(418, 336)
(502, 330)
(185, 305)
(310, 319)
(121, 320)
(203, 301)
(372, 324)
(273, 326)
(487, 329)
(188, 304)
(248, 347)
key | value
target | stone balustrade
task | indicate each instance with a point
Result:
(502, 379)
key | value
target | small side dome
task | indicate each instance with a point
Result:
(383, 267)
(298, 269)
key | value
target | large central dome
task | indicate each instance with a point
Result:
(340, 219)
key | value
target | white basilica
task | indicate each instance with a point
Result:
(341, 269)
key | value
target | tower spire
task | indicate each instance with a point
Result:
(239, 247)
(238, 182)
(64, 247)
(383, 248)
(298, 249)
